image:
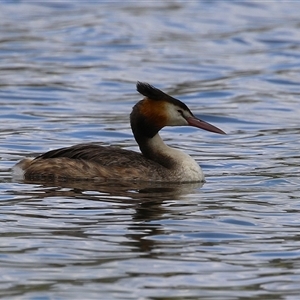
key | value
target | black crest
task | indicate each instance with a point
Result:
(151, 92)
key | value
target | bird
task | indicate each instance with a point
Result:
(157, 161)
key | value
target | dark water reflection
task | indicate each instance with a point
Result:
(67, 75)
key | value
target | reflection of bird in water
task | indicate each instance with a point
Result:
(157, 162)
(123, 192)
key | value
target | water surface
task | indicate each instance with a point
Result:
(67, 76)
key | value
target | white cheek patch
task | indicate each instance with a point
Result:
(175, 117)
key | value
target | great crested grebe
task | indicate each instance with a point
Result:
(157, 162)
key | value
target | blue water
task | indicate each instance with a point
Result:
(67, 75)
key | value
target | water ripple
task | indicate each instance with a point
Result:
(68, 74)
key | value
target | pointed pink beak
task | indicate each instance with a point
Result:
(192, 121)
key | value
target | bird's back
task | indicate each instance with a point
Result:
(92, 161)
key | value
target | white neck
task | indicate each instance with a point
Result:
(181, 164)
